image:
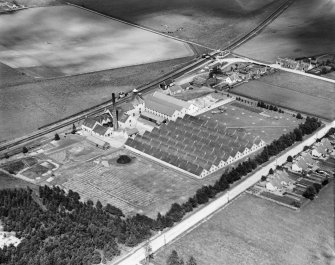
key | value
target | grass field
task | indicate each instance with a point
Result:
(254, 231)
(65, 40)
(9, 182)
(25, 107)
(248, 118)
(209, 22)
(304, 94)
(305, 29)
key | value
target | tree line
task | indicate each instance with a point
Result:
(71, 231)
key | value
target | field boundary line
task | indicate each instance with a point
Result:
(142, 27)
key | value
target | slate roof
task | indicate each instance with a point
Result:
(101, 130)
(89, 122)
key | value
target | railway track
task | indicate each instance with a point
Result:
(9, 145)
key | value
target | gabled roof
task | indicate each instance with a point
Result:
(172, 100)
(90, 122)
(101, 130)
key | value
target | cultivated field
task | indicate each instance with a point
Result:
(249, 118)
(25, 107)
(209, 22)
(306, 28)
(139, 187)
(65, 40)
(254, 231)
(304, 94)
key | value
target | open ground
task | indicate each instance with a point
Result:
(211, 22)
(65, 40)
(254, 231)
(305, 29)
(269, 125)
(298, 92)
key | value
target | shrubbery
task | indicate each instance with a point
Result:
(123, 159)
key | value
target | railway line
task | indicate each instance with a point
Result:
(10, 145)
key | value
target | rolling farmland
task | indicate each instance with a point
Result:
(65, 40)
(305, 29)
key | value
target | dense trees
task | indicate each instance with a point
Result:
(69, 232)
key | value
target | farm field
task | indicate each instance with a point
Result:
(254, 231)
(210, 23)
(47, 101)
(249, 118)
(65, 40)
(295, 35)
(304, 94)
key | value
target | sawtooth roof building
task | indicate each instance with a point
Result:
(196, 146)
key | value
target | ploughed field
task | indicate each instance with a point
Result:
(301, 93)
(65, 40)
(306, 28)
(213, 23)
(255, 231)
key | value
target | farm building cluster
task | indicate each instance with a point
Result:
(311, 168)
(194, 145)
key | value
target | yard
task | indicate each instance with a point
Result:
(292, 91)
(305, 29)
(255, 231)
(250, 119)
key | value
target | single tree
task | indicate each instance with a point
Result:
(24, 150)
(173, 258)
(74, 129)
(191, 261)
(289, 159)
(299, 116)
(57, 138)
(271, 171)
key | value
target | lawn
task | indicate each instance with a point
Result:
(291, 95)
(305, 29)
(247, 117)
(65, 40)
(9, 182)
(210, 23)
(252, 230)
(50, 100)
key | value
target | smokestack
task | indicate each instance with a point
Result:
(115, 119)
(113, 98)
